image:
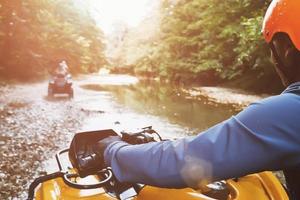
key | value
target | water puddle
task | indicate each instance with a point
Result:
(151, 103)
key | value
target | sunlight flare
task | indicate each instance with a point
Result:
(111, 12)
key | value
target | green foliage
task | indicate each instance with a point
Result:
(209, 41)
(37, 34)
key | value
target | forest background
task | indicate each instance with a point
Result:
(196, 42)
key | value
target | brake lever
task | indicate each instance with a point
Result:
(137, 138)
(141, 137)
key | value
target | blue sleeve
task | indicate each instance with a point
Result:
(265, 136)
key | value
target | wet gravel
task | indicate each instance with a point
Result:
(32, 129)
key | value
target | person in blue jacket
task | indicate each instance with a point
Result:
(264, 136)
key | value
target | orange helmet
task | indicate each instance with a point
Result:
(283, 16)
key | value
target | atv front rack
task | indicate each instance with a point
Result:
(66, 176)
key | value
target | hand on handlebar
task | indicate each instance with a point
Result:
(86, 152)
(101, 145)
(92, 159)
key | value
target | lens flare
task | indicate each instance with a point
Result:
(109, 12)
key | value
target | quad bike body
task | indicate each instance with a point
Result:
(60, 84)
(67, 184)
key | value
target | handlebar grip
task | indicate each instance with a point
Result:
(88, 165)
(86, 161)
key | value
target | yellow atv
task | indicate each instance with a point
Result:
(67, 184)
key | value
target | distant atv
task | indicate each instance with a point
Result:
(60, 84)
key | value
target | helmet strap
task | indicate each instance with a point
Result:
(279, 64)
